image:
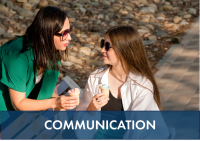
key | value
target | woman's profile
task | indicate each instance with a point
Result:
(30, 64)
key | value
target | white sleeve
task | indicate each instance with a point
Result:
(144, 100)
(86, 97)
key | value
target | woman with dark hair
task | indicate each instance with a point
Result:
(131, 83)
(30, 64)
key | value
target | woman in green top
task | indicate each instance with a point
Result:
(30, 64)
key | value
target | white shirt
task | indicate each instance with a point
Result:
(134, 96)
(39, 78)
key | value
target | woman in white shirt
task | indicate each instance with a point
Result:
(127, 73)
(132, 87)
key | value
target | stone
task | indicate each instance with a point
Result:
(53, 2)
(67, 63)
(123, 12)
(3, 2)
(75, 49)
(105, 2)
(145, 19)
(187, 16)
(78, 66)
(160, 15)
(71, 74)
(143, 1)
(85, 50)
(27, 6)
(113, 23)
(165, 8)
(148, 42)
(129, 8)
(161, 33)
(34, 1)
(167, 3)
(25, 13)
(8, 36)
(177, 19)
(169, 24)
(192, 11)
(142, 31)
(149, 26)
(152, 37)
(94, 62)
(156, 1)
(89, 45)
(176, 39)
(96, 28)
(94, 52)
(147, 10)
(183, 22)
(24, 1)
(2, 31)
(100, 16)
(43, 3)
(3, 9)
(130, 15)
(94, 4)
(161, 18)
(9, 4)
(153, 5)
(82, 10)
(74, 59)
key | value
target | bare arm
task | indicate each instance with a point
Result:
(21, 103)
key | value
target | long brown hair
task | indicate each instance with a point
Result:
(131, 53)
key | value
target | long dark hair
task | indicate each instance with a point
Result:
(40, 36)
(127, 43)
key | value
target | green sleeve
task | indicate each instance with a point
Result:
(14, 71)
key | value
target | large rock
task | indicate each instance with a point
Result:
(53, 2)
(85, 50)
(165, 8)
(82, 10)
(2, 31)
(25, 13)
(161, 33)
(152, 38)
(183, 22)
(149, 26)
(27, 6)
(177, 19)
(3, 8)
(123, 12)
(43, 3)
(160, 15)
(192, 11)
(24, 1)
(34, 1)
(143, 2)
(147, 10)
(3, 2)
(113, 23)
(187, 16)
(67, 63)
(74, 59)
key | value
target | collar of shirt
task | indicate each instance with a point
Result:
(104, 76)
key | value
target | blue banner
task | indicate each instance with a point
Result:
(100, 125)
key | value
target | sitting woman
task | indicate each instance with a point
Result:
(129, 77)
(128, 74)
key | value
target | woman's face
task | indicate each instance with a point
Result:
(109, 57)
(59, 44)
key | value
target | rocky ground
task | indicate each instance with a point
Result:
(161, 23)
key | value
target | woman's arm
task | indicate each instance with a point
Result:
(21, 103)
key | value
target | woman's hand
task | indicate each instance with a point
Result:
(65, 102)
(98, 101)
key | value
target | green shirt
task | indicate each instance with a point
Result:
(17, 71)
